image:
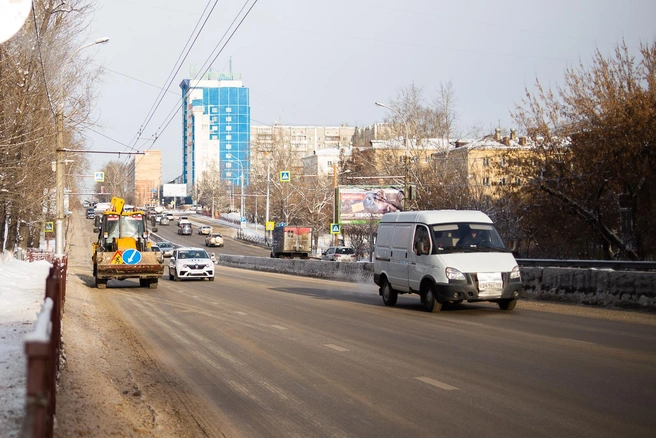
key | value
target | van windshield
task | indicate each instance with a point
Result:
(466, 236)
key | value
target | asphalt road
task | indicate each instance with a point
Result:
(275, 355)
(231, 246)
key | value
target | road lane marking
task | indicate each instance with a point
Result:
(279, 327)
(242, 313)
(437, 383)
(335, 347)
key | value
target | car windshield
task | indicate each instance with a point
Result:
(193, 254)
(344, 251)
(165, 244)
(466, 236)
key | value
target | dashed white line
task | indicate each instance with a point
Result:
(242, 313)
(279, 327)
(335, 347)
(436, 383)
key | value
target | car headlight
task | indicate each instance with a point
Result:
(454, 274)
(514, 274)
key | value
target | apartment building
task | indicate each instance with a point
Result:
(483, 163)
(216, 128)
(146, 173)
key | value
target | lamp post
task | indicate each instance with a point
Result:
(406, 189)
(241, 209)
(59, 170)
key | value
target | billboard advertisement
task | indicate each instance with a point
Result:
(175, 190)
(362, 205)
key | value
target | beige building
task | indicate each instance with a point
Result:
(483, 163)
(146, 172)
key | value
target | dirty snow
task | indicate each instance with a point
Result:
(22, 293)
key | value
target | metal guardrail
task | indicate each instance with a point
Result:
(616, 265)
(42, 348)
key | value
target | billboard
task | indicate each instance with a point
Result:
(175, 190)
(359, 205)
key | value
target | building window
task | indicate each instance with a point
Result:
(228, 128)
(502, 181)
(213, 110)
(228, 119)
(518, 181)
(228, 137)
(228, 165)
(486, 181)
(228, 109)
(228, 146)
(330, 163)
(486, 162)
(502, 162)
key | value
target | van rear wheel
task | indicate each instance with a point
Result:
(389, 295)
(428, 297)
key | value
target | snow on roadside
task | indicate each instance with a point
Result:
(22, 292)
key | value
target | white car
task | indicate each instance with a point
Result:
(214, 239)
(189, 262)
(204, 229)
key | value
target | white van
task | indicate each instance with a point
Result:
(445, 256)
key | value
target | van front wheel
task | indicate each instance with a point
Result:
(389, 295)
(507, 304)
(428, 297)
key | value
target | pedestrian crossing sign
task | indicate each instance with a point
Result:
(335, 228)
(48, 227)
(285, 176)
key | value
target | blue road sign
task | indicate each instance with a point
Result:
(282, 224)
(131, 256)
(243, 219)
(285, 176)
(335, 228)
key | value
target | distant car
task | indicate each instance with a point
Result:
(185, 229)
(166, 248)
(183, 220)
(214, 239)
(189, 262)
(163, 220)
(204, 229)
(339, 254)
(91, 213)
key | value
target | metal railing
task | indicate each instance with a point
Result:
(617, 265)
(42, 348)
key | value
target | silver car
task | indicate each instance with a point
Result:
(189, 262)
(339, 254)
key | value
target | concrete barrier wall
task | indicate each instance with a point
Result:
(604, 288)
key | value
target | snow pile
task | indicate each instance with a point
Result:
(22, 293)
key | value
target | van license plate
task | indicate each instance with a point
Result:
(490, 284)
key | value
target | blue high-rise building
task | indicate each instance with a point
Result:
(216, 118)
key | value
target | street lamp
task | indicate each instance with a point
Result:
(335, 200)
(406, 190)
(241, 209)
(59, 170)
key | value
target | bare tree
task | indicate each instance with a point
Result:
(593, 157)
(32, 76)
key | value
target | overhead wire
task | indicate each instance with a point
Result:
(204, 68)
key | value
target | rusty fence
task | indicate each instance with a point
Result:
(42, 348)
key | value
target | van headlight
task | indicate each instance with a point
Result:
(454, 274)
(514, 274)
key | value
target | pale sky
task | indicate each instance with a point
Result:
(312, 62)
